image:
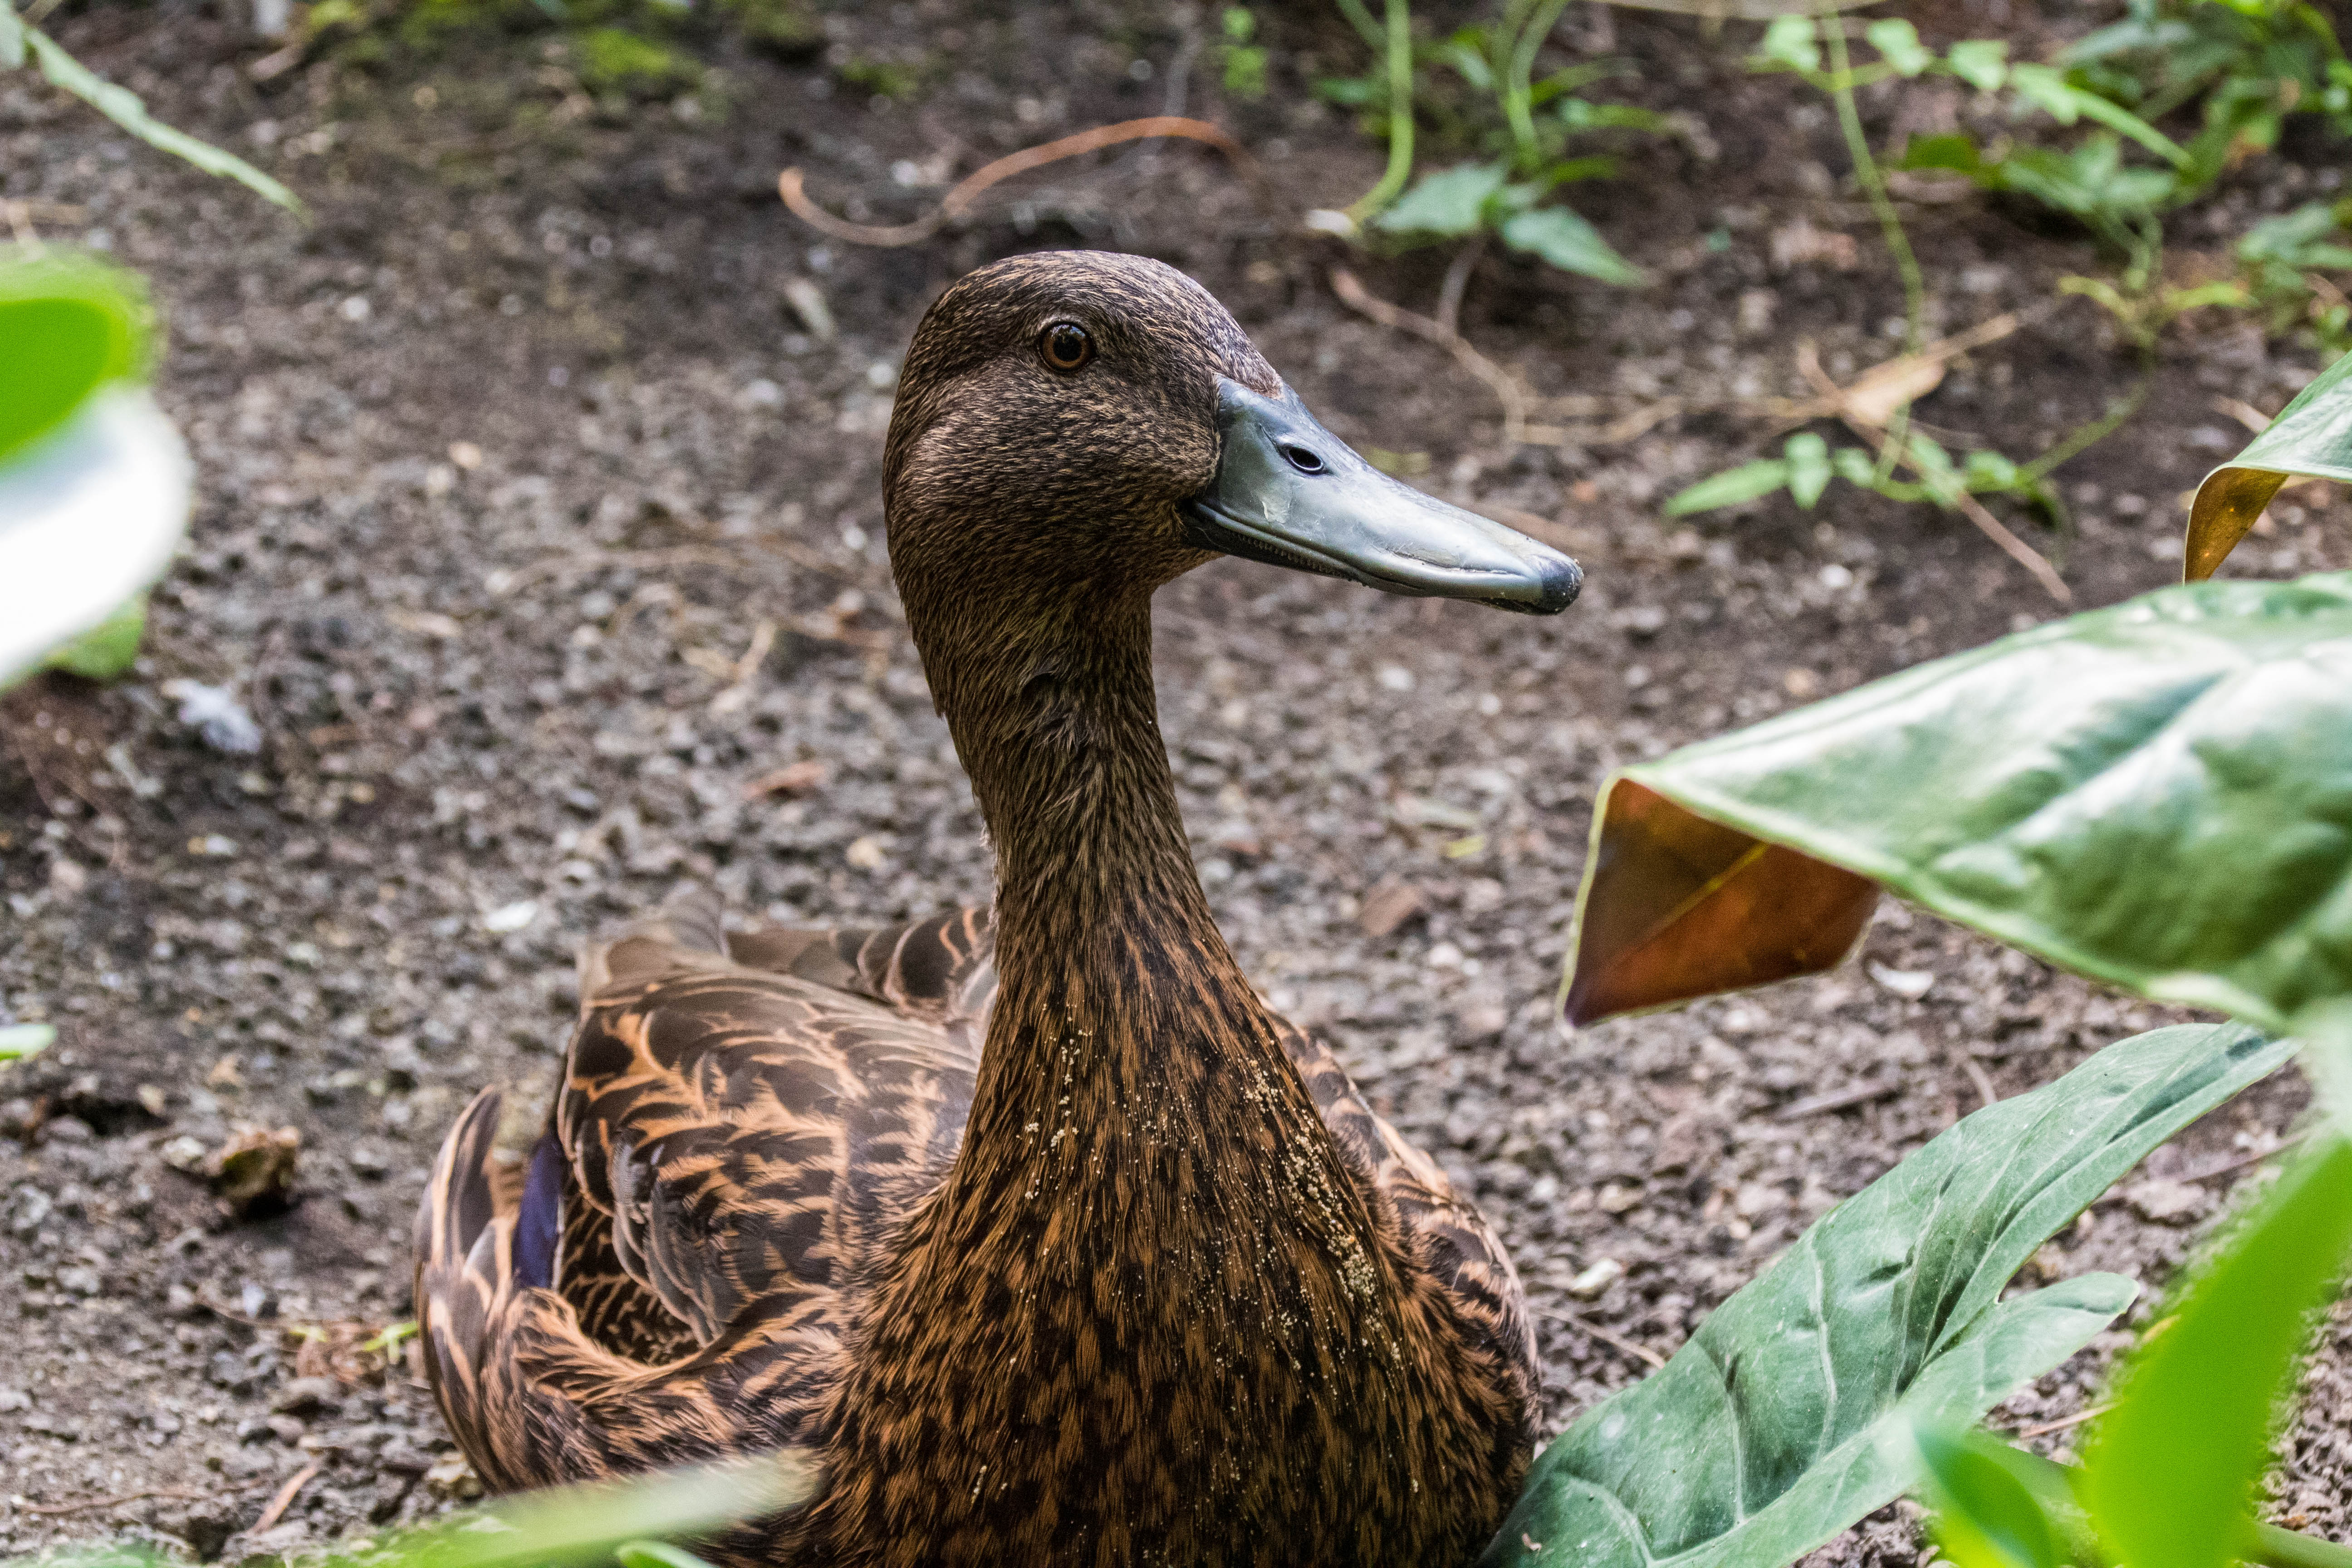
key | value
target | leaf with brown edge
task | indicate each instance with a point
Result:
(2311, 438)
(2157, 796)
(1678, 906)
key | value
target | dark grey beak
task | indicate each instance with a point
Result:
(1290, 494)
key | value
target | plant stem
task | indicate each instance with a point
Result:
(1518, 83)
(2276, 1548)
(1400, 62)
(1361, 20)
(2099, 429)
(1873, 185)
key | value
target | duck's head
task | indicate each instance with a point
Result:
(1081, 422)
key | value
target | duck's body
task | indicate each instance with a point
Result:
(1037, 1232)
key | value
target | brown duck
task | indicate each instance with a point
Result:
(1032, 1229)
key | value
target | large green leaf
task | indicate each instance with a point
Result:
(2171, 1473)
(2158, 794)
(1786, 1416)
(2311, 438)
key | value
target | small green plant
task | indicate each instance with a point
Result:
(1479, 87)
(616, 60)
(1245, 61)
(21, 43)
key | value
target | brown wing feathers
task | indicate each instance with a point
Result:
(738, 1149)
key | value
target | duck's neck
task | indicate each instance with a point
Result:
(1120, 1008)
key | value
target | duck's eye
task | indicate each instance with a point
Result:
(1067, 346)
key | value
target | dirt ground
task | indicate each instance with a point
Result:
(539, 533)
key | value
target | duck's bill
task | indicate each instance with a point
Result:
(1290, 494)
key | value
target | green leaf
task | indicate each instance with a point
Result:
(1790, 43)
(1731, 486)
(2158, 794)
(1953, 150)
(1982, 63)
(89, 517)
(2049, 90)
(656, 1554)
(1776, 1426)
(1898, 43)
(2170, 1472)
(18, 1041)
(584, 1524)
(1446, 204)
(1985, 1515)
(108, 650)
(1570, 243)
(1809, 467)
(1853, 465)
(123, 107)
(69, 325)
(2311, 437)
(1984, 472)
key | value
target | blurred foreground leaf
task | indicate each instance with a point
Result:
(1990, 1510)
(67, 326)
(581, 1524)
(2159, 795)
(18, 1041)
(2170, 1472)
(88, 517)
(95, 484)
(2311, 438)
(1786, 1416)
(107, 650)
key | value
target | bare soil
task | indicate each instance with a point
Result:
(537, 533)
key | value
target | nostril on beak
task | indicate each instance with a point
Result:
(1305, 461)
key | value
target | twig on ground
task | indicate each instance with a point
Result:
(2044, 1429)
(1981, 1079)
(285, 1498)
(1500, 382)
(1837, 1100)
(58, 1510)
(2242, 1161)
(1633, 1348)
(959, 201)
(506, 580)
(1457, 279)
(2244, 413)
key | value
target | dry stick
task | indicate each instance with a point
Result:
(1991, 527)
(1837, 1100)
(2046, 1427)
(1500, 382)
(53, 1510)
(1619, 1342)
(959, 201)
(285, 1498)
(1981, 1079)
(1457, 279)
